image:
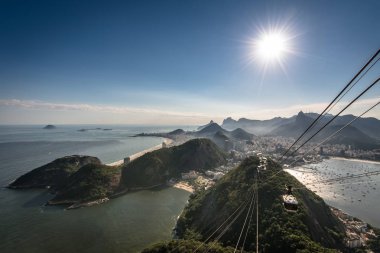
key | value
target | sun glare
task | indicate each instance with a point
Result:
(271, 46)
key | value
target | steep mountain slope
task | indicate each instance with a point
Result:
(156, 167)
(210, 129)
(204, 126)
(295, 128)
(54, 174)
(240, 134)
(311, 229)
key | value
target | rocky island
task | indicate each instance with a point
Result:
(49, 127)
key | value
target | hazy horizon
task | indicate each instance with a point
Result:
(199, 120)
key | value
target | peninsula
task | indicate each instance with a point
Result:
(79, 181)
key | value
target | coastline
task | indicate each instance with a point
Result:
(354, 159)
(78, 204)
(132, 157)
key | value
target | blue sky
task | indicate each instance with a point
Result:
(177, 62)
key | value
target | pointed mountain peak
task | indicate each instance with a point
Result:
(211, 128)
(302, 118)
(301, 114)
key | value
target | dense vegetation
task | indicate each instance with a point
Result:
(312, 229)
(157, 167)
(78, 179)
(91, 182)
(187, 246)
(54, 174)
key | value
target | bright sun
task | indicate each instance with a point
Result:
(271, 46)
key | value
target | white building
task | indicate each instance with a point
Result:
(353, 241)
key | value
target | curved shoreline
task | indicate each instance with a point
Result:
(132, 157)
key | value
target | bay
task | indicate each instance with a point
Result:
(125, 224)
(359, 197)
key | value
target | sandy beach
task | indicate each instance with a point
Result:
(184, 186)
(167, 141)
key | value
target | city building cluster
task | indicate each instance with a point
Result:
(357, 232)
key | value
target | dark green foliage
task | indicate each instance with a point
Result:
(54, 174)
(157, 167)
(310, 229)
(91, 182)
(187, 246)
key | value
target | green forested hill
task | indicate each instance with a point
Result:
(79, 179)
(54, 174)
(312, 229)
(157, 167)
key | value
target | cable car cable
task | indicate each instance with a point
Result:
(332, 102)
(353, 101)
(335, 133)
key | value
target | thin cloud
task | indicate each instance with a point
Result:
(40, 105)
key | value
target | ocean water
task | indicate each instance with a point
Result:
(126, 224)
(359, 197)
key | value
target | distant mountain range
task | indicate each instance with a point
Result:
(214, 128)
(363, 133)
(223, 138)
